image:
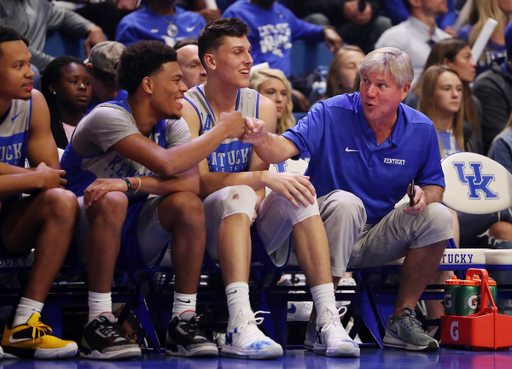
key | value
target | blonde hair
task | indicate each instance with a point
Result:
(390, 60)
(333, 75)
(427, 105)
(479, 12)
(287, 120)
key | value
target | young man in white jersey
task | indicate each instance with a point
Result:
(233, 180)
(44, 220)
(121, 153)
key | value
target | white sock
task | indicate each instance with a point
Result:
(323, 297)
(25, 309)
(238, 299)
(184, 303)
(99, 303)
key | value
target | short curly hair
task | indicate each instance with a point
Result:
(140, 60)
(7, 34)
(212, 35)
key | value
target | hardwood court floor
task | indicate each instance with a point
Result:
(293, 359)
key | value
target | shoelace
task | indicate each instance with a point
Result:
(192, 325)
(41, 329)
(109, 329)
(254, 333)
(411, 319)
(335, 319)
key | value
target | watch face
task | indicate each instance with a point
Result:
(172, 30)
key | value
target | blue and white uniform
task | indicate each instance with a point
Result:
(372, 179)
(90, 155)
(273, 31)
(145, 24)
(276, 215)
(14, 139)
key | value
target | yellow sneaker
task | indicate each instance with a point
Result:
(34, 340)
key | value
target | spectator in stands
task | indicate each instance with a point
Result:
(456, 54)
(190, 65)
(480, 11)
(199, 6)
(66, 86)
(101, 65)
(134, 146)
(33, 18)
(274, 28)
(160, 20)
(374, 142)
(343, 70)
(272, 84)
(397, 12)
(494, 90)
(501, 148)
(45, 219)
(233, 181)
(418, 33)
(357, 23)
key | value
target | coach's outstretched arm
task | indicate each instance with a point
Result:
(271, 148)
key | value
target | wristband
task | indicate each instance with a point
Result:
(138, 187)
(128, 183)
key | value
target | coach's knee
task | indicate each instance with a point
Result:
(343, 206)
(437, 216)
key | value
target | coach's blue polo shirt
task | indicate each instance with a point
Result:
(344, 153)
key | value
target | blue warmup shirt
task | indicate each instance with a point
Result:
(345, 156)
(272, 32)
(145, 24)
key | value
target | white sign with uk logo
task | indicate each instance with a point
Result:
(476, 184)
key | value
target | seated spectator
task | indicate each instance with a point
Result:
(101, 65)
(418, 33)
(134, 145)
(397, 12)
(272, 83)
(343, 70)
(456, 54)
(188, 60)
(159, 20)
(274, 28)
(480, 11)
(501, 148)
(44, 220)
(372, 141)
(494, 90)
(360, 27)
(66, 86)
(45, 17)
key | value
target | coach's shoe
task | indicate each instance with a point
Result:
(406, 332)
(244, 340)
(309, 341)
(34, 340)
(103, 339)
(333, 340)
(184, 338)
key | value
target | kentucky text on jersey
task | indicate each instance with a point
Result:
(394, 161)
(10, 152)
(123, 170)
(236, 159)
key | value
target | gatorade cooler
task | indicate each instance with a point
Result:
(484, 330)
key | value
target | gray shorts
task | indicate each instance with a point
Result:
(353, 243)
(150, 233)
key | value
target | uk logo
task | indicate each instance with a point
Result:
(477, 182)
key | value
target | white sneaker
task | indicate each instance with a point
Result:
(309, 341)
(333, 340)
(299, 311)
(244, 340)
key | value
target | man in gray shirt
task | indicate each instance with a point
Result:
(33, 18)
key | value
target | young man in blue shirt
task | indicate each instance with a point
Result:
(365, 148)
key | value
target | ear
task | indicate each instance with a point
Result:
(405, 90)
(51, 88)
(147, 85)
(209, 60)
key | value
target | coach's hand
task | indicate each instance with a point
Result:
(420, 201)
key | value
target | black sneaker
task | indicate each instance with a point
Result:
(185, 339)
(104, 340)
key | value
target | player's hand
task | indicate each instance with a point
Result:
(50, 178)
(255, 130)
(233, 123)
(295, 187)
(95, 37)
(420, 201)
(100, 187)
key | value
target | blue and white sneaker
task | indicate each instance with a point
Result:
(309, 341)
(333, 340)
(244, 340)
